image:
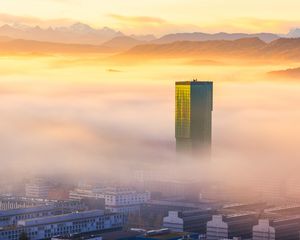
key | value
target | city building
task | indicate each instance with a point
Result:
(188, 221)
(153, 211)
(283, 210)
(107, 235)
(122, 200)
(263, 231)
(12, 216)
(9, 202)
(160, 234)
(194, 105)
(164, 206)
(285, 228)
(64, 225)
(231, 225)
(247, 206)
(81, 193)
(167, 234)
(37, 188)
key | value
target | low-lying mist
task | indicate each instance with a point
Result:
(83, 121)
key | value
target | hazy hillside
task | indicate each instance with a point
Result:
(122, 43)
(281, 49)
(198, 36)
(288, 73)
(80, 33)
(190, 48)
(284, 48)
(28, 46)
(5, 39)
(247, 48)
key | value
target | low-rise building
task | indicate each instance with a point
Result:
(64, 225)
(122, 200)
(81, 193)
(167, 234)
(285, 228)
(188, 221)
(12, 216)
(37, 188)
(10, 202)
(231, 225)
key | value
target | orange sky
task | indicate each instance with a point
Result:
(158, 16)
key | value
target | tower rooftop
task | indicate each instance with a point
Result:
(194, 82)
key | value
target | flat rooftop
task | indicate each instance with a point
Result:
(114, 235)
(21, 211)
(281, 208)
(172, 235)
(61, 218)
(195, 205)
(194, 82)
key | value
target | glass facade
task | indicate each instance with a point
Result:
(183, 111)
(194, 105)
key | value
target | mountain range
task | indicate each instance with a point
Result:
(123, 43)
(247, 48)
(78, 33)
(81, 38)
(198, 36)
(81, 33)
(287, 73)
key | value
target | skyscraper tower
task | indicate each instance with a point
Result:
(194, 105)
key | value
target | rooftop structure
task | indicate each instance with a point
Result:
(286, 228)
(188, 221)
(231, 225)
(123, 200)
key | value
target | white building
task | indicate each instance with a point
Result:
(216, 228)
(37, 188)
(174, 222)
(263, 231)
(238, 225)
(81, 193)
(63, 225)
(122, 200)
(188, 221)
(278, 228)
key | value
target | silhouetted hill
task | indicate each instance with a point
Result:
(284, 48)
(280, 49)
(122, 43)
(28, 46)
(5, 39)
(80, 33)
(198, 36)
(146, 38)
(288, 73)
(188, 48)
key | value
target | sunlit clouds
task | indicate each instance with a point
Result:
(140, 17)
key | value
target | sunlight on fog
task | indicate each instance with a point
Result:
(78, 113)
